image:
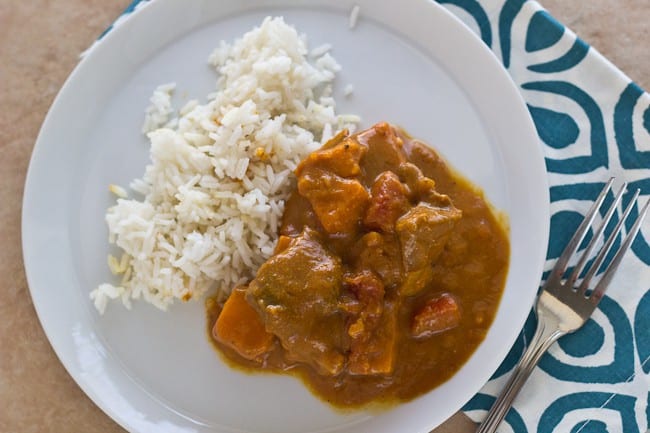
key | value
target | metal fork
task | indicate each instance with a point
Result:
(563, 306)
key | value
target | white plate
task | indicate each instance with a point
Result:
(412, 64)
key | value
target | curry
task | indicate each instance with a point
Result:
(386, 276)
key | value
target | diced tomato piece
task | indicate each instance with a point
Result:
(437, 315)
(388, 201)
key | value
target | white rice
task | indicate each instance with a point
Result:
(158, 112)
(213, 194)
(118, 191)
(320, 50)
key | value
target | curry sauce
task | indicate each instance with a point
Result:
(387, 274)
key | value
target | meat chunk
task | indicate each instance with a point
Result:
(429, 195)
(381, 253)
(339, 203)
(388, 201)
(296, 292)
(421, 188)
(298, 214)
(437, 315)
(416, 281)
(240, 327)
(374, 331)
(385, 149)
(423, 232)
(410, 174)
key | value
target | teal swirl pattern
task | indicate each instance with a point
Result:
(591, 340)
(597, 156)
(544, 32)
(641, 332)
(507, 14)
(593, 123)
(615, 413)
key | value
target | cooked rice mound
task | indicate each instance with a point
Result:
(213, 194)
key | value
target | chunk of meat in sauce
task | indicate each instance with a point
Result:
(423, 232)
(421, 188)
(437, 315)
(385, 150)
(382, 255)
(373, 331)
(416, 281)
(296, 293)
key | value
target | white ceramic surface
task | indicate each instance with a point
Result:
(415, 65)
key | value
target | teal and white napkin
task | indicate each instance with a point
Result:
(594, 123)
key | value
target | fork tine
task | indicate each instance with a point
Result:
(574, 243)
(585, 255)
(600, 288)
(608, 245)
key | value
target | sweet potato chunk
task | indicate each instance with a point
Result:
(282, 244)
(240, 327)
(339, 203)
(341, 159)
(437, 315)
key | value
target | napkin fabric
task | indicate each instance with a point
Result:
(594, 123)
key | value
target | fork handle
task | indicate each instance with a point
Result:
(545, 335)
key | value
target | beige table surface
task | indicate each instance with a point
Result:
(40, 41)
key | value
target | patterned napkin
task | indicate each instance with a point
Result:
(594, 123)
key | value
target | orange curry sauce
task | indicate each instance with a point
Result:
(387, 275)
